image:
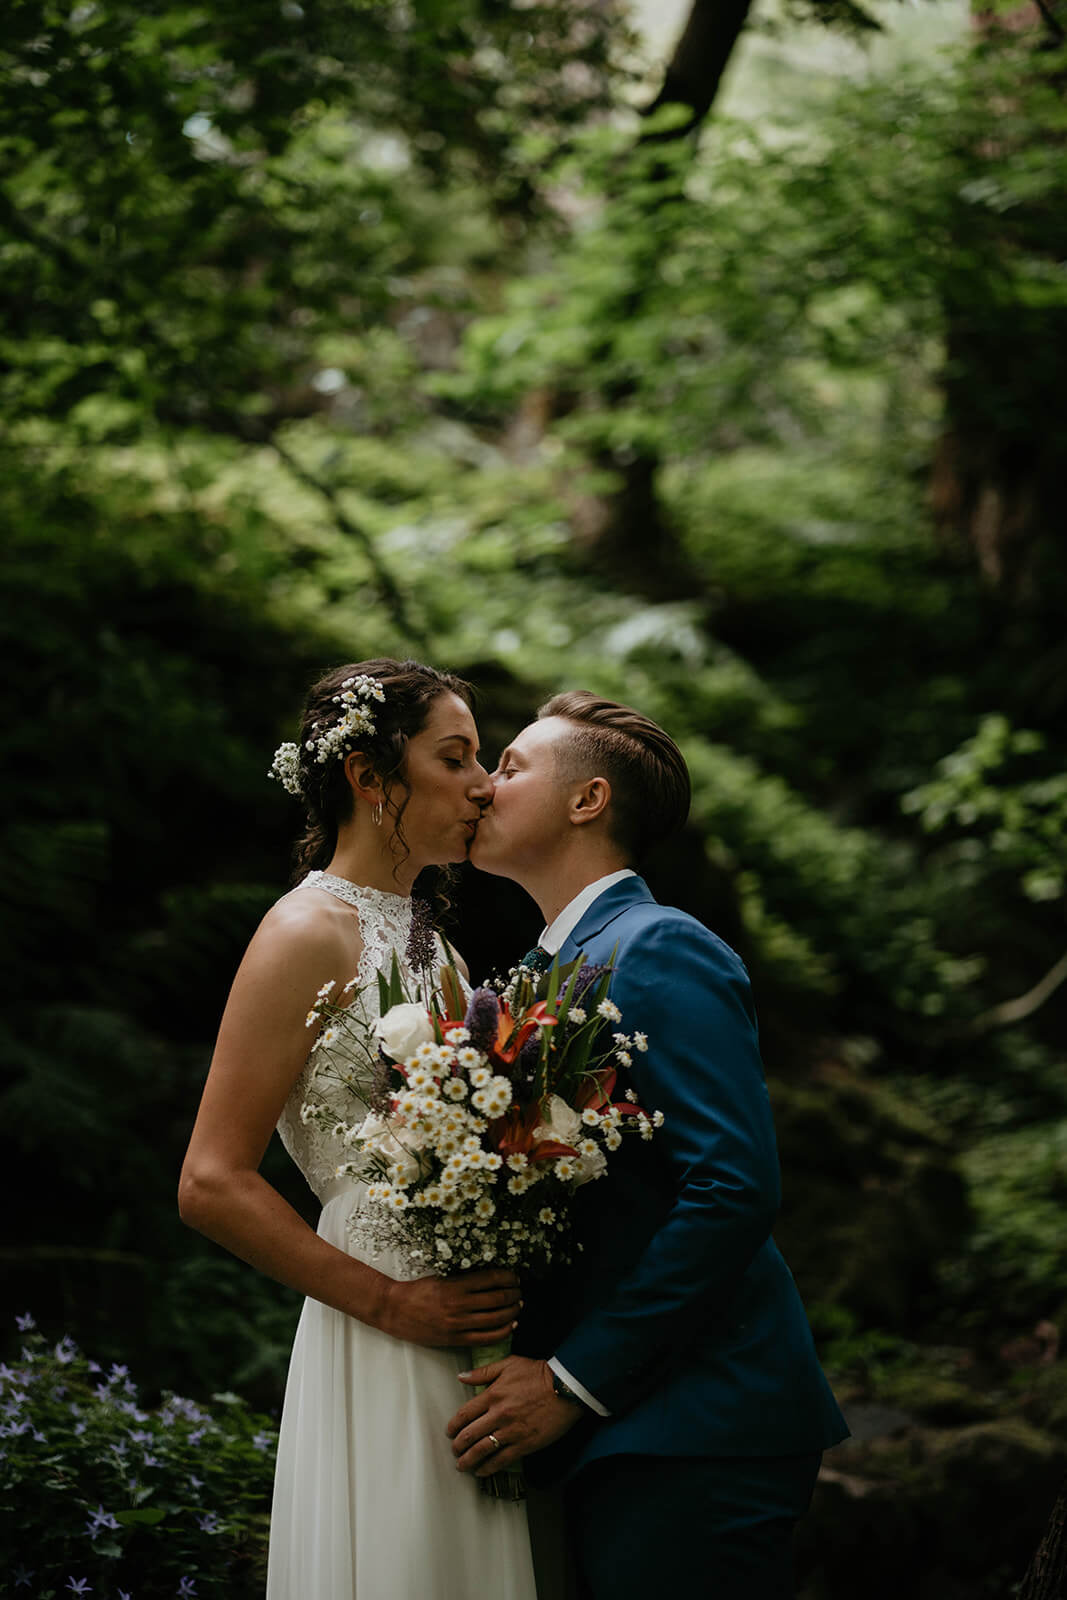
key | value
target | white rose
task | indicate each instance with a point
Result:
(564, 1123)
(402, 1030)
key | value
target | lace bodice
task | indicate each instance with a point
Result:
(385, 925)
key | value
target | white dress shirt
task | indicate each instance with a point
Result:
(552, 938)
(556, 933)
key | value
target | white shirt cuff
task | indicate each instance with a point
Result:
(579, 1389)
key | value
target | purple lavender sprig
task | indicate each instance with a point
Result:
(421, 948)
(483, 1018)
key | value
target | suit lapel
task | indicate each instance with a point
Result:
(604, 910)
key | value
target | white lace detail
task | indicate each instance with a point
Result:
(385, 924)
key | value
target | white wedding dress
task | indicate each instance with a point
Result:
(368, 1504)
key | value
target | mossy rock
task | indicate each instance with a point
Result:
(945, 1512)
(872, 1197)
(934, 1397)
(1045, 1399)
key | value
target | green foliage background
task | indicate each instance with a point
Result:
(336, 329)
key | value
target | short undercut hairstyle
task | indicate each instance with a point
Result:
(650, 787)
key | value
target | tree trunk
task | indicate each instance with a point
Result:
(1046, 1577)
(996, 482)
(626, 532)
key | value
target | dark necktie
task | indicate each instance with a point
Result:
(537, 960)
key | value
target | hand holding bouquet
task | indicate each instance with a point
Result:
(486, 1114)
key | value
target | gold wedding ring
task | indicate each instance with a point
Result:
(494, 1441)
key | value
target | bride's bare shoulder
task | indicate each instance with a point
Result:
(304, 925)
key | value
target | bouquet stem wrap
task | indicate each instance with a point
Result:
(509, 1484)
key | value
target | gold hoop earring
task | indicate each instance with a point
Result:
(376, 815)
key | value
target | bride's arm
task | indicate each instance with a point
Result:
(262, 1045)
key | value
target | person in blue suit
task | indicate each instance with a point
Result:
(669, 1379)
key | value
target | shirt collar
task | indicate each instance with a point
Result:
(553, 937)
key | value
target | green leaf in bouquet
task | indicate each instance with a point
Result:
(452, 995)
(396, 984)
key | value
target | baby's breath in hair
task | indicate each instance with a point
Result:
(355, 720)
(286, 768)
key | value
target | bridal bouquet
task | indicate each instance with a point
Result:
(485, 1115)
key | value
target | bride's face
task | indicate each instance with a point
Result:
(447, 785)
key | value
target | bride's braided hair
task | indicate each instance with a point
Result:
(410, 689)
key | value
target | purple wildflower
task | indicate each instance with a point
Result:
(525, 1068)
(101, 1519)
(25, 1323)
(421, 948)
(483, 1018)
(79, 1586)
(22, 1577)
(587, 974)
(209, 1522)
(196, 1435)
(66, 1350)
(261, 1441)
(186, 1587)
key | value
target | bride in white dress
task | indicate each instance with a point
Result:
(368, 1504)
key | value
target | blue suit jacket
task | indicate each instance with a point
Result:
(680, 1315)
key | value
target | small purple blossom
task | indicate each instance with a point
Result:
(196, 1435)
(421, 948)
(66, 1350)
(210, 1523)
(525, 1067)
(25, 1323)
(261, 1441)
(101, 1519)
(22, 1576)
(483, 1018)
(150, 1460)
(79, 1586)
(186, 1587)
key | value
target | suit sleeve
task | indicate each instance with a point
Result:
(690, 994)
